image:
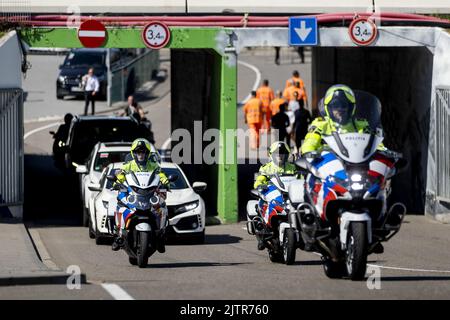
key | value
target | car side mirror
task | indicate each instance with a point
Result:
(111, 177)
(199, 186)
(81, 169)
(94, 187)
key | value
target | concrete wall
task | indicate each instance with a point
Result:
(401, 79)
(441, 77)
(10, 61)
(219, 6)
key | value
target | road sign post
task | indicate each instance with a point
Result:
(303, 31)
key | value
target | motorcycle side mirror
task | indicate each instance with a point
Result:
(302, 163)
(52, 133)
(111, 177)
(172, 177)
(254, 193)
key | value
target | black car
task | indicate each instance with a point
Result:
(86, 131)
(77, 63)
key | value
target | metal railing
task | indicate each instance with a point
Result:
(443, 143)
(11, 147)
(129, 77)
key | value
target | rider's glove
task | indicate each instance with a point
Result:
(262, 188)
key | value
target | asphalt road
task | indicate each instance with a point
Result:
(416, 263)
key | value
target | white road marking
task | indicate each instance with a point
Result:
(116, 292)
(409, 269)
(257, 81)
(44, 119)
(400, 268)
(29, 133)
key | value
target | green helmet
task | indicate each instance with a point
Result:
(339, 104)
(141, 146)
(279, 152)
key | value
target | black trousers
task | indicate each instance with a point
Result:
(88, 97)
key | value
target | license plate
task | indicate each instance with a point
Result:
(76, 89)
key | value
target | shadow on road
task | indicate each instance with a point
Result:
(194, 264)
(308, 263)
(51, 196)
(221, 239)
(416, 278)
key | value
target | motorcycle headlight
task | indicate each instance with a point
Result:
(187, 207)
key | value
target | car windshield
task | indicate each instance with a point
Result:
(87, 133)
(180, 183)
(103, 159)
(84, 58)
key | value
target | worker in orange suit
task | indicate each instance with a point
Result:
(295, 78)
(275, 104)
(265, 94)
(288, 93)
(253, 113)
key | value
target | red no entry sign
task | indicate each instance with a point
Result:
(92, 34)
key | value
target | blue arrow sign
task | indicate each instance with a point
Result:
(302, 31)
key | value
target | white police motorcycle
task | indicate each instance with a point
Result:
(143, 194)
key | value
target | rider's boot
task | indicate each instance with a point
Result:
(117, 243)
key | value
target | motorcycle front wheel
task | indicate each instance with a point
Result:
(356, 253)
(289, 247)
(142, 250)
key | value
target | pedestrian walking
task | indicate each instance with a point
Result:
(281, 122)
(91, 88)
(301, 123)
(265, 94)
(253, 116)
(275, 104)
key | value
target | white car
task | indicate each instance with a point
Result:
(101, 156)
(186, 207)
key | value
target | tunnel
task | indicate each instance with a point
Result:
(401, 77)
(403, 69)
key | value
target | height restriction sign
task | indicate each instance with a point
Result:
(362, 31)
(156, 35)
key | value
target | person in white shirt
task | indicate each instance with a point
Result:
(91, 88)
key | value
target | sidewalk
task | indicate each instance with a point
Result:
(19, 261)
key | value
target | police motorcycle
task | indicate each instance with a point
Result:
(344, 216)
(143, 194)
(274, 221)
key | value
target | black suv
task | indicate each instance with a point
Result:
(77, 63)
(86, 131)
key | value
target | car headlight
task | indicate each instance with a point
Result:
(61, 78)
(105, 204)
(187, 207)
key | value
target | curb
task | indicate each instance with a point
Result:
(32, 279)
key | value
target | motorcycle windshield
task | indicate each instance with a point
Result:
(368, 107)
